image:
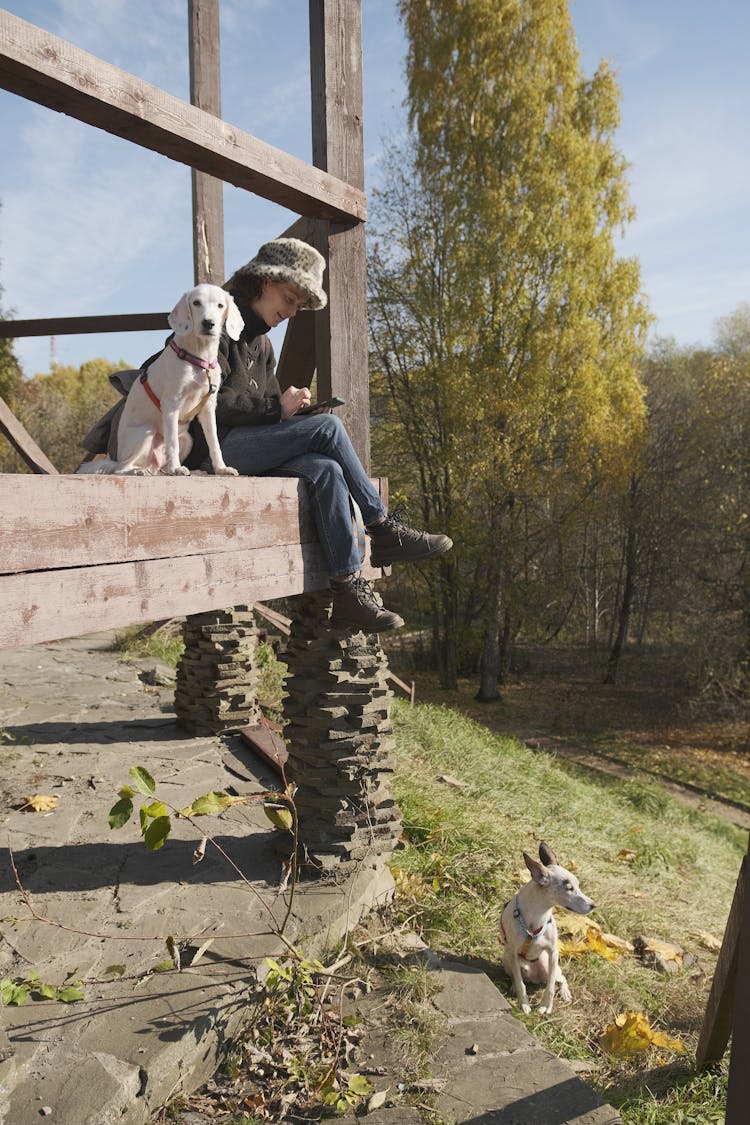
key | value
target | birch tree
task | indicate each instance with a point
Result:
(505, 327)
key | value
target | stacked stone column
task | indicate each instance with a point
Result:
(339, 739)
(217, 676)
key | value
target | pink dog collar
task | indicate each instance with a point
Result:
(196, 361)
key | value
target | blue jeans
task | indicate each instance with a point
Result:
(317, 448)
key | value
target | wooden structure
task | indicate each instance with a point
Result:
(729, 1003)
(91, 553)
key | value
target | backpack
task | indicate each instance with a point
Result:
(102, 437)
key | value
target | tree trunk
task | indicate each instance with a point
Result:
(505, 646)
(628, 590)
(489, 665)
(444, 601)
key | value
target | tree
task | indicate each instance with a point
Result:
(11, 375)
(58, 408)
(732, 332)
(505, 329)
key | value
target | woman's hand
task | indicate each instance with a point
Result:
(292, 399)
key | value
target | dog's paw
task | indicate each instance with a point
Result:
(226, 471)
(525, 1007)
(545, 1009)
(177, 471)
(565, 994)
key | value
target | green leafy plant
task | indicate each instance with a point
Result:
(156, 817)
(15, 991)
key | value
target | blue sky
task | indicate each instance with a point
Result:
(91, 224)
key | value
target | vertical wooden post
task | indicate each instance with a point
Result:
(338, 148)
(738, 1090)
(205, 92)
(296, 363)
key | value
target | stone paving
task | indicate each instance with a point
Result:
(74, 718)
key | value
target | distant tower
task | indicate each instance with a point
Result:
(52, 351)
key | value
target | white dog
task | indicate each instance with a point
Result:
(180, 385)
(529, 931)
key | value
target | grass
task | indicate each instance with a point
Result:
(411, 990)
(726, 779)
(647, 721)
(142, 641)
(653, 866)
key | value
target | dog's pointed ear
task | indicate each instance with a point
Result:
(537, 869)
(180, 320)
(546, 855)
(233, 321)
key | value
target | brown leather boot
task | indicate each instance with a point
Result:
(396, 541)
(355, 606)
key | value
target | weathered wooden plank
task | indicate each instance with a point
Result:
(296, 364)
(75, 325)
(336, 87)
(54, 73)
(205, 92)
(717, 1021)
(338, 147)
(66, 521)
(87, 521)
(738, 1089)
(23, 442)
(52, 604)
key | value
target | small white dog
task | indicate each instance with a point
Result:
(529, 931)
(180, 385)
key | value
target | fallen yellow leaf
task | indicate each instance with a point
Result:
(631, 1034)
(618, 942)
(708, 941)
(664, 949)
(39, 803)
(593, 941)
(575, 924)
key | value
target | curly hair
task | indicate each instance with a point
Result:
(245, 287)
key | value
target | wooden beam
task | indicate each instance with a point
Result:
(75, 325)
(51, 604)
(23, 442)
(54, 73)
(717, 1021)
(738, 1089)
(338, 147)
(83, 552)
(205, 92)
(93, 520)
(296, 363)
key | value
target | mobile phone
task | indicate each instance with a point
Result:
(317, 405)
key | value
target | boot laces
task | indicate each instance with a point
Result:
(399, 521)
(364, 592)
